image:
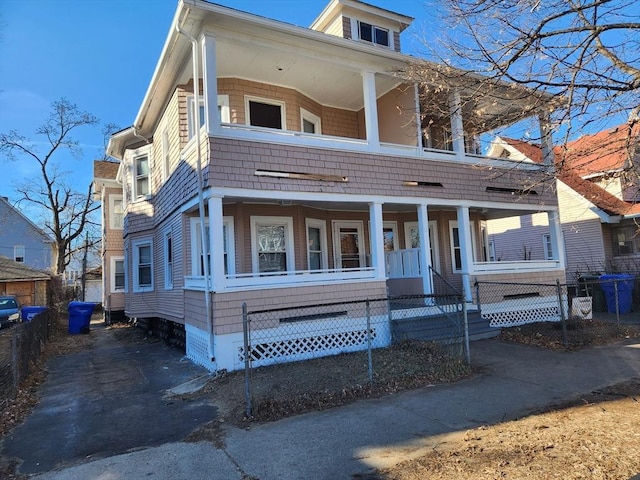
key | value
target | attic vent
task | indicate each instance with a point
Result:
(301, 176)
(512, 191)
(421, 184)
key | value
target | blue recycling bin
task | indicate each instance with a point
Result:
(80, 317)
(29, 312)
(624, 284)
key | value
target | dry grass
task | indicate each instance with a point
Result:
(594, 437)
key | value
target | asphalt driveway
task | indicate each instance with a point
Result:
(104, 401)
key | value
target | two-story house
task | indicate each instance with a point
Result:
(276, 165)
(23, 241)
(108, 192)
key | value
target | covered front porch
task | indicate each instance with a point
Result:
(415, 246)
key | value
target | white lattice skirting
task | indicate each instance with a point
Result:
(519, 311)
(198, 347)
(314, 339)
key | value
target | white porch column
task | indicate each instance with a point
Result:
(466, 250)
(457, 128)
(370, 109)
(210, 83)
(425, 249)
(216, 245)
(377, 240)
(557, 242)
(416, 93)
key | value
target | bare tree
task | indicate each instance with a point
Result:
(579, 56)
(68, 211)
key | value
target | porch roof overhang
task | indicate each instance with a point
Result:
(360, 203)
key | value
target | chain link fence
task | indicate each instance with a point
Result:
(341, 347)
(20, 347)
(594, 308)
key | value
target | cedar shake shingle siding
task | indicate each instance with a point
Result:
(235, 162)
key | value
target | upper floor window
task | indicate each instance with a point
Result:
(223, 111)
(373, 34)
(316, 244)
(310, 123)
(141, 181)
(18, 253)
(166, 155)
(626, 240)
(265, 113)
(116, 212)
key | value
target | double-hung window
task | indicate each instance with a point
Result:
(198, 258)
(310, 123)
(141, 180)
(547, 246)
(272, 244)
(626, 240)
(223, 111)
(316, 244)
(456, 245)
(142, 265)
(118, 279)
(116, 212)
(18, 253)
(168, 260)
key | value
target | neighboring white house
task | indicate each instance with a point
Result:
(23, 241)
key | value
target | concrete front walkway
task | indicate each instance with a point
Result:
(349, 442)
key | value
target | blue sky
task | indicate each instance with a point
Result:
(100, 54)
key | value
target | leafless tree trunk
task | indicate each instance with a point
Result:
(68, 211)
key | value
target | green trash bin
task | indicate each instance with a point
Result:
(589, 286)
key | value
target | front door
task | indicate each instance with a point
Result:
(348, 244)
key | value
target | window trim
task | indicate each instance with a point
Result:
(228, 222)
(287, 222)
(168, 255)
(136, 195)
(266, 101)
(135, 246)
(222, 103)
(454, 224)
(112, 211)
(633, 239)
(375, 27)
(166, 155)
(547, 246)
(324, 255)
(311, 118)
(112, 266)
(17, 251)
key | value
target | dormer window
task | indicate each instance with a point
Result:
(373, 34)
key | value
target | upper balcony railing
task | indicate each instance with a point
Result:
(291, 137)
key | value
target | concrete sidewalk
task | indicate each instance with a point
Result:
(351, 441)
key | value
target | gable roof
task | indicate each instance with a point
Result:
(589, 156)
(603, 152)
(605, 201)
(105, 170)
(45, 236)
(14, 271)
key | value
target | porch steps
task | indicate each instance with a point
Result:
(440, 328)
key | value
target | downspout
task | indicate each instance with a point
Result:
(203, 234)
